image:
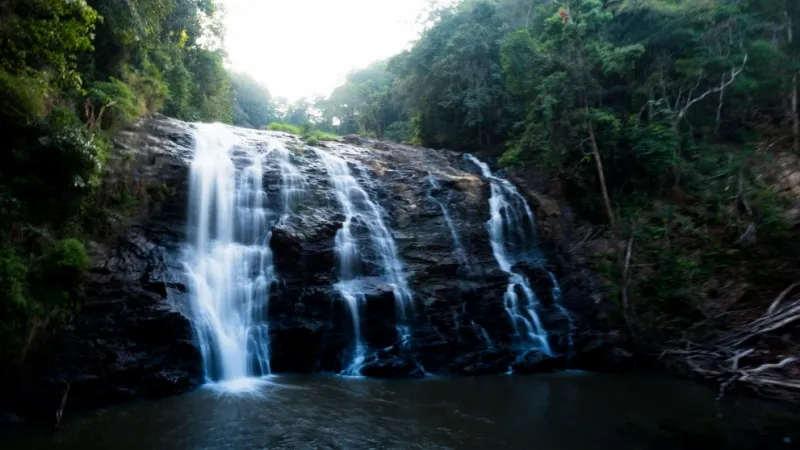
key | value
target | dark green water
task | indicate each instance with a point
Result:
(548, 412)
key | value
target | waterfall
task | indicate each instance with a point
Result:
(230, 268)
(461, 254)
(293, 184)
(359, 209)
(229, 261)
(482, 334)
(564, 312)
(512, 234)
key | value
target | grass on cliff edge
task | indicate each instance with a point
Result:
(305, 132)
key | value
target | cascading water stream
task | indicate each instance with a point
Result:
(293, 184)
(564, 312)
(479, 331)
(512, 237)
(357, 207)
(461, 254)
(482, 334)
(229, 261)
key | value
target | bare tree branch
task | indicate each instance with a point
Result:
(691, 101)
(779, 299)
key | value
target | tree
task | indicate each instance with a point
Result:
(46, 37)
(365, 102)
(253, 102)
(452, 80)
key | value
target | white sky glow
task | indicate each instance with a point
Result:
(300, 48)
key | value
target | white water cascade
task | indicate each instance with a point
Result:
(564, 312)
(461, 254)
(513, 239)
(229, 260)
(293, 184)
(359, 209)
(482, 334)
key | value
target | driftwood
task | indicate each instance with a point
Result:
(734, 358)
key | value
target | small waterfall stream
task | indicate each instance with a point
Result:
(482, 334)
(229, 261)
(512, 235)
(360, 210)
(461, 254)
(293, 184)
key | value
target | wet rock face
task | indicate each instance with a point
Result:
(126, 342)
(131, 339)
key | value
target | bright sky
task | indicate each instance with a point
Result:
(299, 48)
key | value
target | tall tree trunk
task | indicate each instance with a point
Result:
(719, 106)
(795, 117)
(528, 16)
(676, 153)
(601, 174)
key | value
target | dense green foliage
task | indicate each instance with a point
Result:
(72, 72)
(253, 106)
(306, 131)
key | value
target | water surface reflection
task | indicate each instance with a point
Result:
(567, 411)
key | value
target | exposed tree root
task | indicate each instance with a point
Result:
(735, 358)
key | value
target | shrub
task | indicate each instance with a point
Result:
(653, 146)
(149, 87)
(52, 174)
(22, 99)
(15, 306)
(127, 200)
(113, 104)
(306, 132)
(13, 273)
(34, 291)
(70, 255)
(64, 117)
(286, 128)
(322, 136)
(56, 277)
(400, 132)
(513, 157)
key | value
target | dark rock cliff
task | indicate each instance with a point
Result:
(132, 338)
